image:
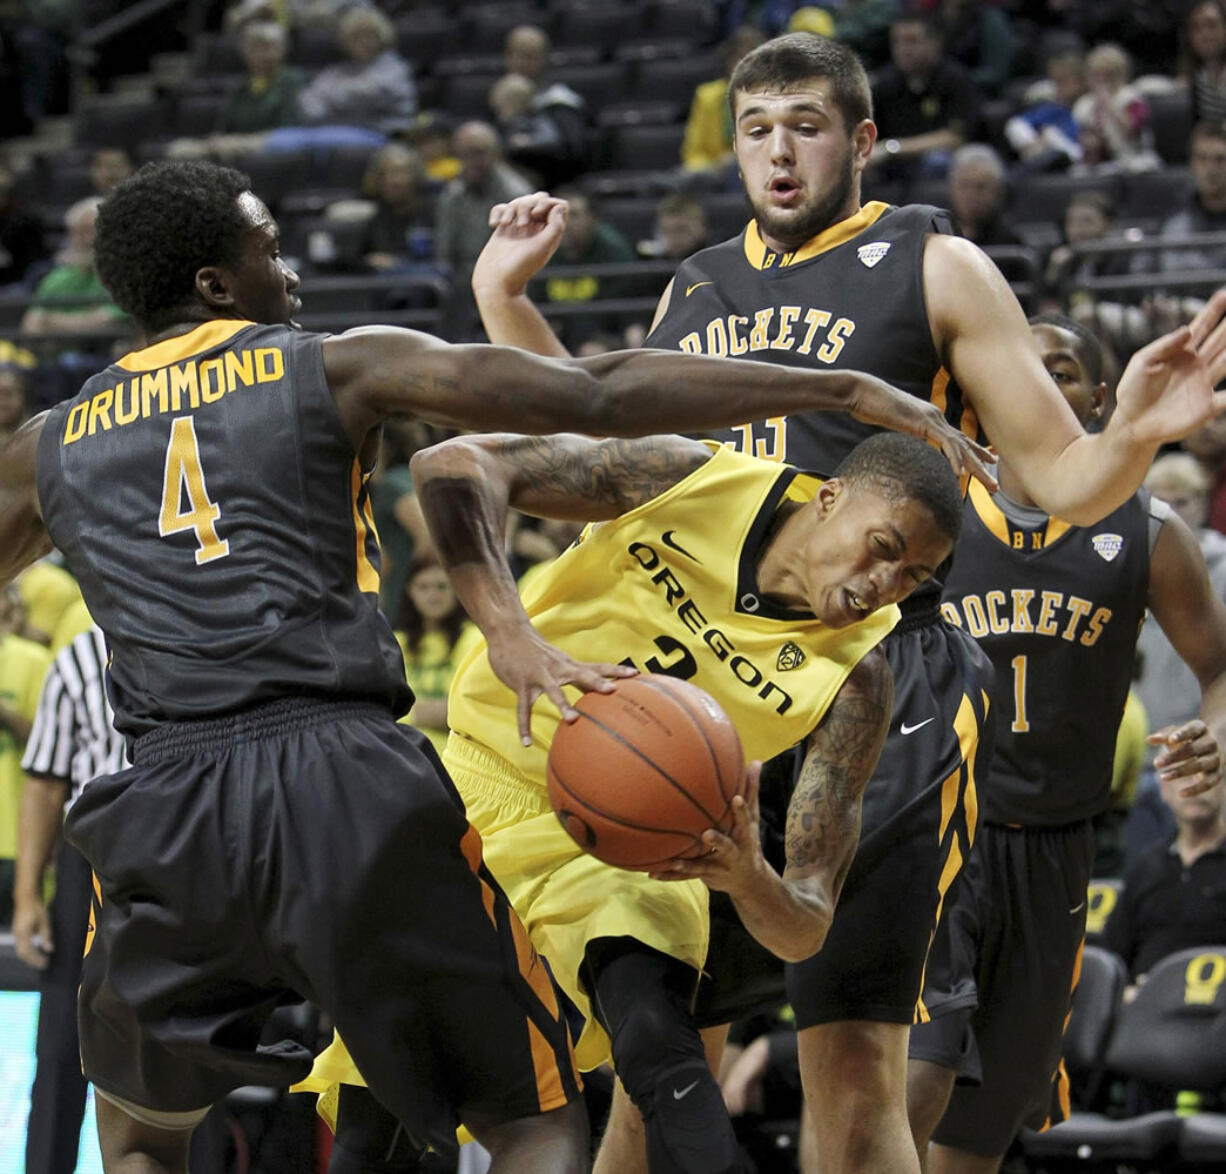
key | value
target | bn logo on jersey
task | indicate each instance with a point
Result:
(791, 656)
(870, 254)
(1107, 545)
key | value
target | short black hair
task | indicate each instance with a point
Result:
(800, 57)
(1093, 359)
(902, 468)
(158, 227)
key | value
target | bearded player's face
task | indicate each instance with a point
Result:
(799, 162)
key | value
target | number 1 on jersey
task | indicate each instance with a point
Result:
(183, 473)
(1021, 724)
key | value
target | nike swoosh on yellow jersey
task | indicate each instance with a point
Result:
(692, 288)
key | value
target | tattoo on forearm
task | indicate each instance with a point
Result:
(824, 815)
(620, 473)
(461, 520)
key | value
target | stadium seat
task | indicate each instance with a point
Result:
(596, 24)
(424, 37)
(466, 95)
(1170, 119)
(1101, 896)
(675, 80)
(196, 115)
(1155, 195)
(1043, 198)
(645, 148)
(634, 217)
(216, 55)
(1096, 1002)
(694, 19)
(486, 25)
(274, 174)
(1172, 1035)
(120, 120)
(654, 49)
(314, 48)
(727, 214)
(599, 85)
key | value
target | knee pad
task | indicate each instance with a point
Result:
(644, 1004)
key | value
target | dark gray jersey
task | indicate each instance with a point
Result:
(209, 502)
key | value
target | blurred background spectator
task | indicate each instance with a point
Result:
(1113, 116)
(588, 240)
(980, 36)
(14, 400)
(399, 233)
(1044, 134)
(107, 167)
(977, 196)
(1202, 59)
(268, 96)
(1175, 892)
(925, 103)
(373, 87)
(707, 146)
(1208, 445)
(70, 299)
(680, 229)
(544, 132)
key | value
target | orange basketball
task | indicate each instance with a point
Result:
(645, 771)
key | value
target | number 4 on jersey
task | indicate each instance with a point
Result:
(184, 475)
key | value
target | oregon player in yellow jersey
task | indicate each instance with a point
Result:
(769, 589)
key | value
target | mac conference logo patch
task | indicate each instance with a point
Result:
(791, 656)
(1108, 545)
(870, 254)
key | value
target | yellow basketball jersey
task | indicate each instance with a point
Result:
(671, 588)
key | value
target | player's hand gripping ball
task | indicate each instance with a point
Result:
(644, 771)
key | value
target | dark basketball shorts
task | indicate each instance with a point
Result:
(1014, 943)
(920, 811)
(314, 850)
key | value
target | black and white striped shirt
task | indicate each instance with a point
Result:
(73, 738)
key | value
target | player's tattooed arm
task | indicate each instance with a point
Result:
(791, 914)
(23, 538)
(466, 487)
(823, 821)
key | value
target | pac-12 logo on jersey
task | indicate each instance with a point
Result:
(1108, 545)
(791, 656)
(870, 254)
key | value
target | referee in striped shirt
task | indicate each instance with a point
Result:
(72, 741)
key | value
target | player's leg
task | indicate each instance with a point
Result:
(643, 999)
(130, 1146)
(623, 1148)
(854, 1074)
(554, 1141)
(928, 1090)
(1028, 965)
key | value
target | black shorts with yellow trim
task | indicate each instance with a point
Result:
(1016, 934)
(313, 850)
(920, 812)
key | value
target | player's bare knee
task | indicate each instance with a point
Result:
(555, 1142)
(130, 1145)
(928, 1090)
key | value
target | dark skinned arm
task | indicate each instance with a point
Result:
(1194, 620)
(791, 914)
(466, 486)
(379, 372)
(23, 537)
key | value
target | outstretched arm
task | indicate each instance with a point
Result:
(466, 486)
(23, 537)
(379, 372)
(1194, 620)
(1166, 390)
(791, 914)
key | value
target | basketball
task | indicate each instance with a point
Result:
(644, 771)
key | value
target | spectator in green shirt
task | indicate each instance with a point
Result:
(268, 96)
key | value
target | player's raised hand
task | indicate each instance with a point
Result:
(732, 863)
(1189, 753)
(532, 667)
(876, 402)
(1167, 389)
(527, 232)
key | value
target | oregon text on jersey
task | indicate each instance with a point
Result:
(163, 390)
(796, 329)
(683, 664)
